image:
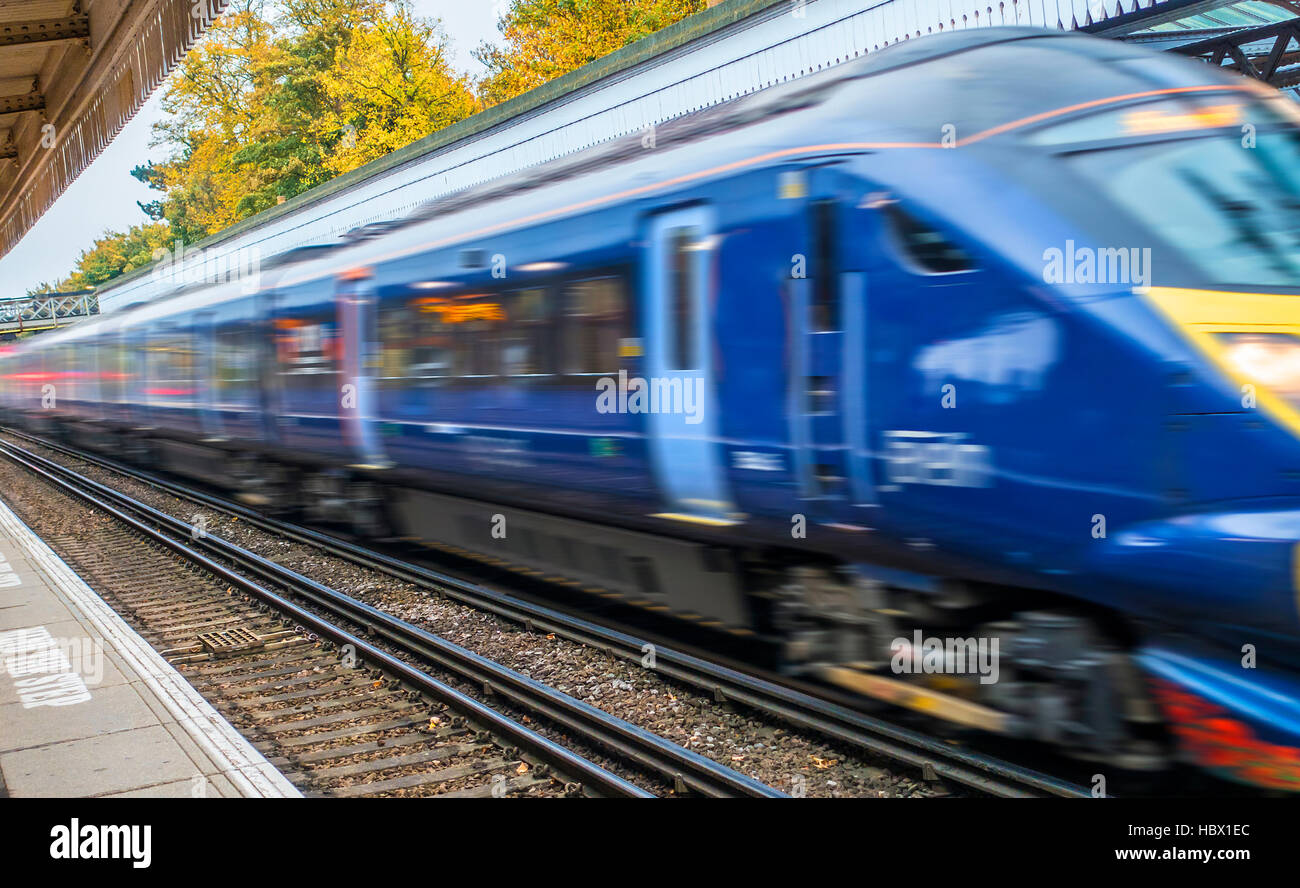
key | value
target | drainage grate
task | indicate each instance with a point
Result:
(229, 641)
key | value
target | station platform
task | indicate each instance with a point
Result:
(88, 708)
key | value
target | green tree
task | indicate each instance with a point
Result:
(116, 253)
(42, 288)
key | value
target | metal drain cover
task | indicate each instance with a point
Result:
(229, 641)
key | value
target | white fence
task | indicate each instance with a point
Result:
(46, 312)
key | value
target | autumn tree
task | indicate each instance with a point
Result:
(547, 38)
(211, 113)
(283, 95)
(279, 98)
(43, 288)
(392, 84)
(117, 253)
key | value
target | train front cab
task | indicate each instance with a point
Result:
(1213, 181)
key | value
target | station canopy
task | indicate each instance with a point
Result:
(72, 73)
(1258, 38)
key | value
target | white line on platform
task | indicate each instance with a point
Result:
(233, 755)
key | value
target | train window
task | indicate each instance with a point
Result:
(682, 296)
(527, 346)
(170, 377)
(87, 372)
(304, 346)
(595, 321)
(415, 342)
(1234, 215)
(112, 368)
(825, 291)
(438, 337)
(128, 364)
(94, 378)
(306, 352)
(70, 361)
(394, 343)
(929, 249)
(480, 322)
(235, 372)
(1186, 114)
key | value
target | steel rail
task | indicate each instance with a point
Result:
(976, 770)
(688, 770)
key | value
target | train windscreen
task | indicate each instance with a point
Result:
(1228, 200)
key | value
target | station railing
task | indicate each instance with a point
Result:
(47, 311)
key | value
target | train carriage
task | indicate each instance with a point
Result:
(910, 344)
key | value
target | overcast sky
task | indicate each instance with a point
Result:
(104, 196)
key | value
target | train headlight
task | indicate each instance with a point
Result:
(1251, 340)
(1270, 359)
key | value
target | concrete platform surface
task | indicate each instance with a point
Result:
(88, 708)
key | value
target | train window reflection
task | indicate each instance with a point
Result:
(414, 342)
(464, 335)
(115, 367)
(532, 331)
(527, 345)
(595, 321)
(169, 368)
(682, 296)
(235, 378)
(478, 326)
(307, 353)
(928, 249)
(1233, 213)
(1186, 114)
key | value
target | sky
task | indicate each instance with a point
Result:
(104, 196)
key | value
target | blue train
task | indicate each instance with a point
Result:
(967, 370)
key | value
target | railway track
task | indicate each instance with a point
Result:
(335, 692)
(796, 706)
(333, 725)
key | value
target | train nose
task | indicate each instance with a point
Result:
(1248, 731)
(1233, 570)
(1252, 339)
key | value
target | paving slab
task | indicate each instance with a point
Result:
(88, 708)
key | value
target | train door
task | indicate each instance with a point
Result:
(205, 375)
(828, 390)
(679, 394)
(358, 331)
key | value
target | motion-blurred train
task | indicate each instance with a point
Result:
(983, 344)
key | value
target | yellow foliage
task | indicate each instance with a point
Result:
(392, 85)
(545, 39)
(283, 95)
(266, 107)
